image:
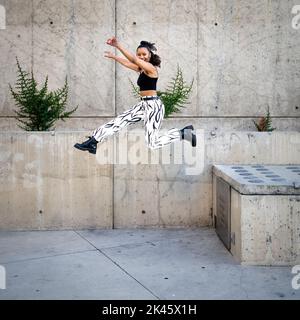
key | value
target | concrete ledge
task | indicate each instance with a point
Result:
(261, 179)
(47, 184)
(257, 212)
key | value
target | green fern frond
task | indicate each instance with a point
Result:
(38, 109)
(264, 123)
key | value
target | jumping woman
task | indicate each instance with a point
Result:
(150, 108)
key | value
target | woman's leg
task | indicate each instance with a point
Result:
(134, 114)
(154, 114)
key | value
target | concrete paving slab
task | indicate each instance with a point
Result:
(23, 245)
(120, 237)
(85, 275)
(134, 264)
(189, 269)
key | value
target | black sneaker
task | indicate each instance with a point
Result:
(89, 145)
(187, 134)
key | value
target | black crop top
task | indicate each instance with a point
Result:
(146, 83)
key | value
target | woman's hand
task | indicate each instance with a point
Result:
(112, 42)
(109, 54)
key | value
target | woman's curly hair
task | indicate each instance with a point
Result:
(154, 59)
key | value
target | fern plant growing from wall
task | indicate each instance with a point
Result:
(38, 110)
(264, 123)
(175, 96)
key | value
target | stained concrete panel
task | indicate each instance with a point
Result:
(69, 40)
(253, 147)
(48, 184)
(184, 203)
(78, 12)
(135, 200)
(59, 39)
(154, 192)
(247, 58)
(69, 58)
(16, 41)
(18, 13)
(266, 229)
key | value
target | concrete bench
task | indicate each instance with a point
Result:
(257, 212)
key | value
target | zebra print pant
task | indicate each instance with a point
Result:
(152, 112)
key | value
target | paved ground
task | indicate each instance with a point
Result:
(132, 264)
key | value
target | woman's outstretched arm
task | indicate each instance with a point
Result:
(132, 58)
(122, 61)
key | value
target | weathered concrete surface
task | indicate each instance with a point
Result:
(59, 39)
(173, 197)
(253, 147)
(140, 187)
(133, 264)
(261, 179)
(264, 217)
(45, 185)
(243, 56)
(266, 228)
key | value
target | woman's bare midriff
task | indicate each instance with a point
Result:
(148, 93)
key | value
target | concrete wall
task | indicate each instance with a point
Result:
(45, 183)
(44, 186)
(242, 55)
(266, 229)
